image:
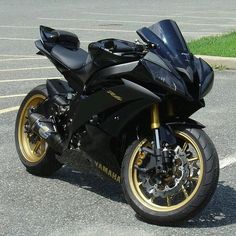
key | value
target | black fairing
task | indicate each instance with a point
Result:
(163, 76)
(205, 75)
(51, 37)
(109, 52)
(169, 32)
(116, 83)
(169, 41)
(172, 65)
(102, 101)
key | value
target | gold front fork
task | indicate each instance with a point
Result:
(155, 119)
(155, 125)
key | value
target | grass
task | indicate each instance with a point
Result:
(221, 45)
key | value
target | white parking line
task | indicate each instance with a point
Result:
(29, 79)
(12, 96)
(19, 26)
(105, 30)
(150, 15)
(228, 161)
(23, 59)
(131, 21)
(18, 39)
(30, 39)
(124, 14)
(162, 14)
(206, 24)
(207, 17)
(67, 28)
(27, 68)
(14, 55)
(93, 29)
(9, 109)
(80, 29)
(97, 20)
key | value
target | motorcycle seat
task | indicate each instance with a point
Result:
(72, 59)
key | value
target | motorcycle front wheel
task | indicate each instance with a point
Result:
(183, 190)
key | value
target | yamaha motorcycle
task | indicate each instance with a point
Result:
(127, 106)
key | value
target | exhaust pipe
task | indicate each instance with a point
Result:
(45, 129)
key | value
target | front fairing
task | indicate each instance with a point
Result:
(205, 76)
(175, 67)
(170, 43)
(161, 72)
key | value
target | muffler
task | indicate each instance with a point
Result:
(45, 129)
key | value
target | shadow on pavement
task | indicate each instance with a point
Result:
(90, 181)
(220, 211)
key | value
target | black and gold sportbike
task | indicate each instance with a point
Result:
(127, 106)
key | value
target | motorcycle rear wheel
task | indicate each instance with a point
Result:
(193, 194)
(34, 153)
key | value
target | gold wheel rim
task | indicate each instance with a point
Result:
(148, 202)
(32, 152)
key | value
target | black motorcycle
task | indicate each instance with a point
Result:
(127, 106)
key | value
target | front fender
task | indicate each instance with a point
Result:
(189, 123)
(167, 130)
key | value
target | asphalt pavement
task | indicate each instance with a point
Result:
(72, 202)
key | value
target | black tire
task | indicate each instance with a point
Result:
(200, 199)
(48, 164)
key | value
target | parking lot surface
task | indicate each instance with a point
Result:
(72, 202)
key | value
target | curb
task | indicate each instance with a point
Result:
(227, 62)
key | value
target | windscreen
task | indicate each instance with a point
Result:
(169, 33)
(171, 49)
(170, 43)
